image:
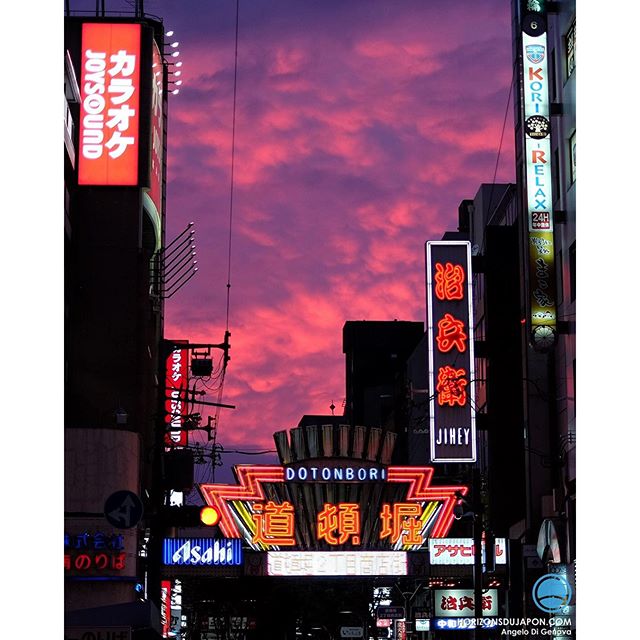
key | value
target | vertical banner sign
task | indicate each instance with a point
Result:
(110, 104)
(176, 386)
(165, 607)
(537, 142)
(450, 344)
(155, 190)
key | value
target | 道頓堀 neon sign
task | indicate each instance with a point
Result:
(268, 520)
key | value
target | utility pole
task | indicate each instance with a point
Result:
(478, 512)
(158, 492)
(408, 597)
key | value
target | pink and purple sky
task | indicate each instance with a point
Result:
(360, 126)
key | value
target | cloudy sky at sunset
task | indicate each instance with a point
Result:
(360, 126)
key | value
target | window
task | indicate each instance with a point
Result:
(572, 156)
(570, 48)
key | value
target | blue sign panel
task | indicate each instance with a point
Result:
(201, 552)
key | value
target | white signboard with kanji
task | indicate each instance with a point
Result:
(461, 551)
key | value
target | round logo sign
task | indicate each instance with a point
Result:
(534, 24)
(551, 593)
(536, 127)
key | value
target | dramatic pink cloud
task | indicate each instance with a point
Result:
(360, 126)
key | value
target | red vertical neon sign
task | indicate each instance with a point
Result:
(451, 358)
(110, 104)
(165, 607)
(176, 386)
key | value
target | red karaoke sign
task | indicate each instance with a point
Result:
(176, 396)
(110, 104)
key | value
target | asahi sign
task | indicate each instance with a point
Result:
(109, 104)
(201, 551)
(539, 196)
(450, 344)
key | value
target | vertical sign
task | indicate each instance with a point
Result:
(539, 197)
(176, 386)
(110, 104)
(165, 607)
(155, 190)
(450, 343)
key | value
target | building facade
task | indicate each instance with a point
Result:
(114, 174)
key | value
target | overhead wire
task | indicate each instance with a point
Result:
(218, 376)
(504, 124)
(233, 153)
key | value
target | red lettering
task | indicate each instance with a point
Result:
(535, 74)
(537, 154)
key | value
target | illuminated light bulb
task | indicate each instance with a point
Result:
(175, 92)
(169, 34)
(175, 54)
(209, 516)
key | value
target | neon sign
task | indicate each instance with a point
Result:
(165, 607)
(339, 523)
(336, 473)
(94, 553)
(268, 521)
(110, 104)
(457, 603)
(201, 551)
(274, 524)
(451, 624)
(461, 551)
(336, 563)
(176, 397)
(539, 195)
(451, 359)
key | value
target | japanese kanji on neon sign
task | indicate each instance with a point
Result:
(450, 340)
(268, 523)
(94, 553)
(460, 602)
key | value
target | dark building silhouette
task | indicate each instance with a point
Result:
(114, 236)
(376, 353)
